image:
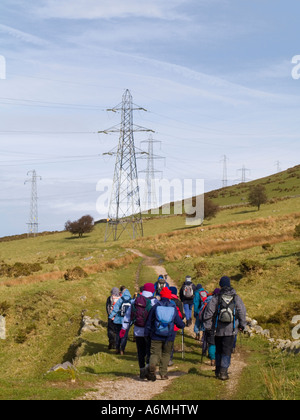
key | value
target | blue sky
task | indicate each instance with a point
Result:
(214, 76)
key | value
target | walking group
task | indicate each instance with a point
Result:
(157, 312)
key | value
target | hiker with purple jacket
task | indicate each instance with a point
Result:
(137, 315)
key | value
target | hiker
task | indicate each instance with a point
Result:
(224, 316)
(160, 284)
(199, 298)
(160, 328)
(117, 315)
(179, 307)
(208, 337)
(138, 314)
(186, 294)
(111, 331)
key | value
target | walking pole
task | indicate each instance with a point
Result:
(182, 344)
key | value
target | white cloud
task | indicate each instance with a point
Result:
(106, 9)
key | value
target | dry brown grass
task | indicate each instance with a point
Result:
(56, 275)
(222, 238)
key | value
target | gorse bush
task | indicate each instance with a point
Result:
(19, 269)
(297, 232)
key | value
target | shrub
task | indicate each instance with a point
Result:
(297, 232)
(75, 274)
(249, 266)
(201, 268)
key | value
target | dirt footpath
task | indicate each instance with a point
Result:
(136, 389)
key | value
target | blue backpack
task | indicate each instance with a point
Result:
(164, 322)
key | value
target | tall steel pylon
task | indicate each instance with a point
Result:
(33, 223)
(244, 170)
(125, 207)
(224, 180)
(150, 200)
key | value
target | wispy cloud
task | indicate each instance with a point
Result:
(106, 9)
(23, 36)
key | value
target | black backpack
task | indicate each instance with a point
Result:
(226, 308)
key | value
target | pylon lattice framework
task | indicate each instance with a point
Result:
(33, 223)
(150, 199)
(125, 207)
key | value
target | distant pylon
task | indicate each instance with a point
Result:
(244, 170)
(224, 180)
(125, 207)
(33, 223)
(277, 163)
(150, 199)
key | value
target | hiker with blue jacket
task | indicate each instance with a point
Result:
(224, 316)
(137, 315)
(186, 295)
(199, 298)
(160, 328)
(161, 283)
(117, 314)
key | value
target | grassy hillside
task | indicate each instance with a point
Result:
(278, 186)
(43, 310)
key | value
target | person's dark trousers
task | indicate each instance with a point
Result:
(172, 351)
(120, 342)
(143, 350)
(160, 356)
(224, 346)
(111, 334)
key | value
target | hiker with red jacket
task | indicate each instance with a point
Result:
(186, 295)
(160, 328)
(179, 307)
(137, 315)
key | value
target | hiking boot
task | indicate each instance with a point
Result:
(212, 363)
(143, 373)
(151, 377)
(122, 352)
(223, 374)
(164, 377)
(171, 363)
(217, 372)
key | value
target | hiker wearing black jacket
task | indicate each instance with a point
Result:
(224, 316)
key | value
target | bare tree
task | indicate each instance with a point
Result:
(83, 225)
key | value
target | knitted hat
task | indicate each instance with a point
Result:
(166, 293)
(173, 290)
(225, 282)
(216, 291)
(149, 287)
(115, 291)
(199, 286)
(188, 279)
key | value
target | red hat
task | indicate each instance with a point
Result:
(149, 287)
(166, 293)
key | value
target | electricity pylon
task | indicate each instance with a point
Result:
(150, 200)
(244, 170)
(125, 207)
(224, 180)
(33, 223)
